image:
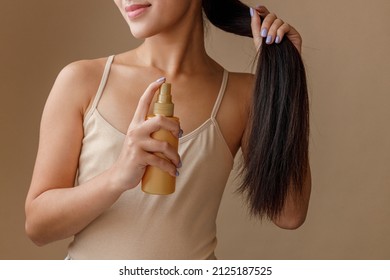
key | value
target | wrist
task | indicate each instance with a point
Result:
(118, 181)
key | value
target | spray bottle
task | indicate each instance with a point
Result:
(155, 180)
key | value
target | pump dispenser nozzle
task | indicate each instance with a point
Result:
(164, 105)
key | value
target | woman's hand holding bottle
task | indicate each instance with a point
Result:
(139, 147)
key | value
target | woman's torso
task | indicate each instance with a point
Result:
(142, 226)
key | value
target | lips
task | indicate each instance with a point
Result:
(135, 7)
(136, 10)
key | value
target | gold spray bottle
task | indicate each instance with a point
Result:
(156, 181)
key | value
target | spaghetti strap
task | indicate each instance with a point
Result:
(220, 94)
(101, 87)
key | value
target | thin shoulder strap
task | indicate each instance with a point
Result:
(220, 94)
(102, 85)
(103, 82)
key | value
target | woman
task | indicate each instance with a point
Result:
(94, 136)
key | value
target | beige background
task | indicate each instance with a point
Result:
(346, 45)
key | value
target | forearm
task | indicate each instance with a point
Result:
(295, 209)
(63, 212)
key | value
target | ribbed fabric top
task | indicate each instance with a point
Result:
(142, 226)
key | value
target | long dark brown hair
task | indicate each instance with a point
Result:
(276, 157)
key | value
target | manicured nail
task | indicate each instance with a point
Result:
(180, 165)
(269, 39)
(177, 173)
(181, 133)
(277, 40)
(251, 11)
(162, 79)
(264, 32)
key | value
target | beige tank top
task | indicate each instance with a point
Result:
(143, 226)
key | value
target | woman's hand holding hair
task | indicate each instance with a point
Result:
(272, 28)
(275, 145)
(139, 147)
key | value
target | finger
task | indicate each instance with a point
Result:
(255, 26)
(273, 34)
(262, 11)
(266, 25)
(145, 101)
(163, 164)
(160, 122)
(282, 30)
(162, 148)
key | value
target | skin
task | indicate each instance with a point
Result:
(174, 49)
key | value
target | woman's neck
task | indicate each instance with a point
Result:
(179, 51)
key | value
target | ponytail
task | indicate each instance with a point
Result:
(276, 154)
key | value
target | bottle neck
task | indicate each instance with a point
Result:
(164, 105)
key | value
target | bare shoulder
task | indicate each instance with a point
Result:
(84, 72)
(241, 82)
(242, 77)
(78, 82)
(241, 87)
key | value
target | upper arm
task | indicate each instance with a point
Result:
(61, 130)
(233, 116)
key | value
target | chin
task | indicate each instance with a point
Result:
(141, 32)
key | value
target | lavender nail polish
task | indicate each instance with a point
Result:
(251, 11)
(269, 39)
(277, 40)
(162, 79)
(264, 32)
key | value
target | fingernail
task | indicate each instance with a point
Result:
(162, 79)
(180, 165)
(264, 32)
(277, 40)
(251, 11)
(269, 39)
(181, 133)
(177, 173)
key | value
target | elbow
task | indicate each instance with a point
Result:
(291, 222)
(34, 230)
(34, 234)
